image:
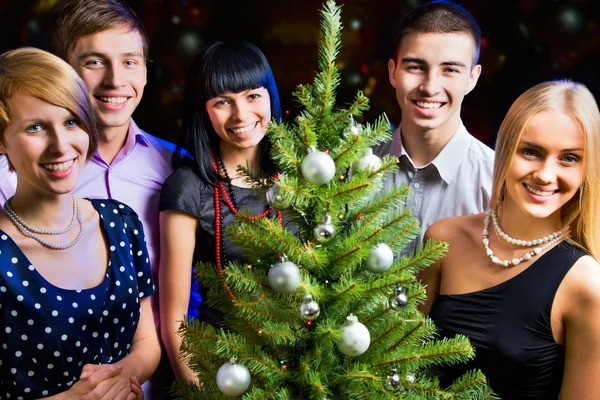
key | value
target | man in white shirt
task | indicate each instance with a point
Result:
(435, 66)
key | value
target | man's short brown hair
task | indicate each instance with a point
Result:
(72, 19)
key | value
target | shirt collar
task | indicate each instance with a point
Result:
(449, 159)
(135, 135)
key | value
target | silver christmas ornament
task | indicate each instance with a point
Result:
(284, 276)
(274, 197)
(233, 379)
(353, 129)
(309, 310)
(410, 378)
(399, 299)
(380, 258)
(318, 167)
(325, 231)
(393, 380)
(355, 337)
(368, 161)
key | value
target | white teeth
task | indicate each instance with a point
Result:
(245, 129)
(59, 167)
(429, 105)
(539, 192)
(113, 100)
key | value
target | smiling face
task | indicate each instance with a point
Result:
(45, 144)
(432, 74)
(113, 67)
(240, 119)
(547, 169)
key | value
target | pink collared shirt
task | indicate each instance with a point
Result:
(135, 178)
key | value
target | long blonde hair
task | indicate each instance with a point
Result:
(582, 212)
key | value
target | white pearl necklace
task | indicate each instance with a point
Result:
(30, 231)
(524, 243)
(557, 237)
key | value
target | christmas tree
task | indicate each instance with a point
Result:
(325, 310)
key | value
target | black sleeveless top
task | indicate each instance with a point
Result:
(509, 326)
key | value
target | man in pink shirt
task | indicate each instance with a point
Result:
(105, 42)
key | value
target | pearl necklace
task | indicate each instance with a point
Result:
(30, 231)
(557, 237)
(524, 243)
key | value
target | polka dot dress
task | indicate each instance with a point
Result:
(48, 334)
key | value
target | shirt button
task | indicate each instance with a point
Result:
(416, 186)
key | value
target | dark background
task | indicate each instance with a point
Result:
(524, 42)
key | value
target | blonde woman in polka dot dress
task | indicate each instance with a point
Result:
(75, 316)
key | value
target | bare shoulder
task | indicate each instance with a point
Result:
(456, 228)
(583, 282)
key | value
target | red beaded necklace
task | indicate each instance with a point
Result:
(220, 191)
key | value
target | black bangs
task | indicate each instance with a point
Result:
(219, 68)
(234, 68)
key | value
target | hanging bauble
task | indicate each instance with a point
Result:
(274, 197)
(368, 161)
(411, 378)
(233, 379)
(284, 276)
(353, 129)
(380, 258)
(309, 310)
(317, 167)
(399, 299)
(355, 337)
(325, 231)
(393, 381)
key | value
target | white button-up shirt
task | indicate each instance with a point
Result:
(457, 182)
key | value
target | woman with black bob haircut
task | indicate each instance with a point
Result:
(230, 98)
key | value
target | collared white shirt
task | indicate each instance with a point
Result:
(457, 182)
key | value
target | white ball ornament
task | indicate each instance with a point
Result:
(318, 167)
(284, 276)
(355, 338)
(368, 161)
(233, 379)
(380, 258)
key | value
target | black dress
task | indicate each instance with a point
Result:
(48, 333)
(509, 326)
(185, 191)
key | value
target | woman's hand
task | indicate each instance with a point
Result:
(102, 382)
(116, 386)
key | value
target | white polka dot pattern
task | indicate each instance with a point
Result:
(43, 353)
